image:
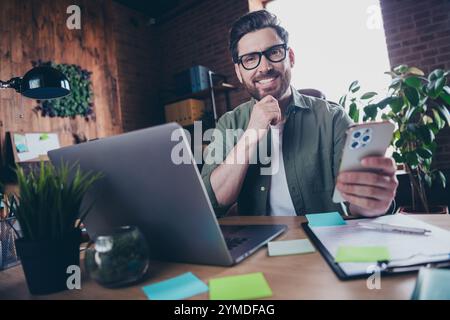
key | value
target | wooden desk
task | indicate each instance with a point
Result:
(290, 277)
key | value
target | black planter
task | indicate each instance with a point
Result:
(45, 262)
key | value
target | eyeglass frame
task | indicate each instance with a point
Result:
(265, 54)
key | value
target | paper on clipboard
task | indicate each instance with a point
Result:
(404, 249)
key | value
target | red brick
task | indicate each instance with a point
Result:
(444, 49)
(429, 53)
(441, 17)
(423, 22)
(444, 58)
(421, 15)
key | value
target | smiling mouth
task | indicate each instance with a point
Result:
(267, 80)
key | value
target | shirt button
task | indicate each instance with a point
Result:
(263, 189)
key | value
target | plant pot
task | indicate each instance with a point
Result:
(433, 210)
(45, 263)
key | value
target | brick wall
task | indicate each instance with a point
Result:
(138, 62)
(418, 34)
(199, 35)
(149, 55)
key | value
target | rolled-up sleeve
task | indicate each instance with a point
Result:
(214, 155)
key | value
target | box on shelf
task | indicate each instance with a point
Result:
(192, 80)
(185, 112)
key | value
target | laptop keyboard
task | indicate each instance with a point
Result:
(234, 242)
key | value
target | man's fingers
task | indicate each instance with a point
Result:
(270, 106)
(368, 179)
(268, 98)
(372, 191)
(367, 191)
(363, 202)
(276, 117)
(387, 165)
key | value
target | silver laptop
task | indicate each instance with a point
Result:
(142, 186)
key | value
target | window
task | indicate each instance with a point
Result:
(335, 42)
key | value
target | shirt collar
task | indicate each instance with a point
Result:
(297, 101)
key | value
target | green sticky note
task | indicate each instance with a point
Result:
(245, 286)
(281, 248)
(44, 136)
(361, 254)
(327, 219)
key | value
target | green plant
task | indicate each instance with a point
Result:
(78, 102)
(418, 105)
(48, 204)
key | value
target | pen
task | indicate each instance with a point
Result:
(393, 228)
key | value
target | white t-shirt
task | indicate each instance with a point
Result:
(280, 202)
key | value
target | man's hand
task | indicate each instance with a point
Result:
(369, 194)
(265, 112)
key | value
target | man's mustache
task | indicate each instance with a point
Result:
(266, 75)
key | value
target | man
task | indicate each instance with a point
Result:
(307, 133)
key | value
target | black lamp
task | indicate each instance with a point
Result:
(40, 83)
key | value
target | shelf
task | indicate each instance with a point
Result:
(224, 87)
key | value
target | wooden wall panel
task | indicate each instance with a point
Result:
(36, 29)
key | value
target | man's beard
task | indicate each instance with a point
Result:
(277, 93)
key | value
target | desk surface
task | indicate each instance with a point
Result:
(290, 277)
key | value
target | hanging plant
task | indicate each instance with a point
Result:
(78, 102)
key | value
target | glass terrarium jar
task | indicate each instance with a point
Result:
(118, 259)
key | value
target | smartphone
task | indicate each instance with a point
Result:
(363, 140)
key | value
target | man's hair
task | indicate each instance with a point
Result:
(251, 22)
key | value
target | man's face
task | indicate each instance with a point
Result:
(269, 78)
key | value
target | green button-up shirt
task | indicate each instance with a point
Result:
(313, 140)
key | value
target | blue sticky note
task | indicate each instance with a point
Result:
(180, 287)
(325, 219)
(21, 148)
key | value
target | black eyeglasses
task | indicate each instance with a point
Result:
(252, 60)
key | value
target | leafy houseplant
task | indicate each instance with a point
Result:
(79, 102)
(418, 105)
(49, 216)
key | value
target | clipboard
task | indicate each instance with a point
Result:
(382, 266)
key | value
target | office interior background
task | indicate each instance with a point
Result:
(137, 50)
(140, 57)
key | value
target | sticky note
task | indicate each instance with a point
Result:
(325, 219)
(180, 287)
(361, 254)
(21, 148)
(44, 136)
(240, 287)
(281, 248)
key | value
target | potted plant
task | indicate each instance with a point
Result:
(48, 211)
(418, 106)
